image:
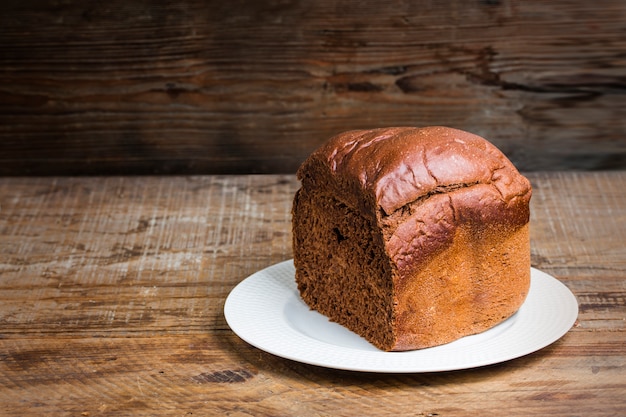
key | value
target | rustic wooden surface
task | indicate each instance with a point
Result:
(112, 290)
(214, 87)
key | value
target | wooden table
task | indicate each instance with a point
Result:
(190, 86)
(112, 292)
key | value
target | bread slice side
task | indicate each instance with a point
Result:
(342, 270)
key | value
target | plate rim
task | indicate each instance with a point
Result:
(369, 361)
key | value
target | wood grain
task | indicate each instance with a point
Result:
(112, 290)
(217, 374)
(188, 87)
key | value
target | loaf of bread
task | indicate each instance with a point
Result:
(412, 237)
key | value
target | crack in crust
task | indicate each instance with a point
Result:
(397, 166)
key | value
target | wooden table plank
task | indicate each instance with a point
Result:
(112, 290)
(134, 255)
(216, 373)
(190, 87)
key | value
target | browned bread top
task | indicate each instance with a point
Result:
(395, 166)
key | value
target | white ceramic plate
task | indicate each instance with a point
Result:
(266, 311)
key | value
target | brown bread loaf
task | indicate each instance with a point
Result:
(412, 237)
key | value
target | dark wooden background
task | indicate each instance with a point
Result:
(198, 87)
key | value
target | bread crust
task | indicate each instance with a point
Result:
(448, 214)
